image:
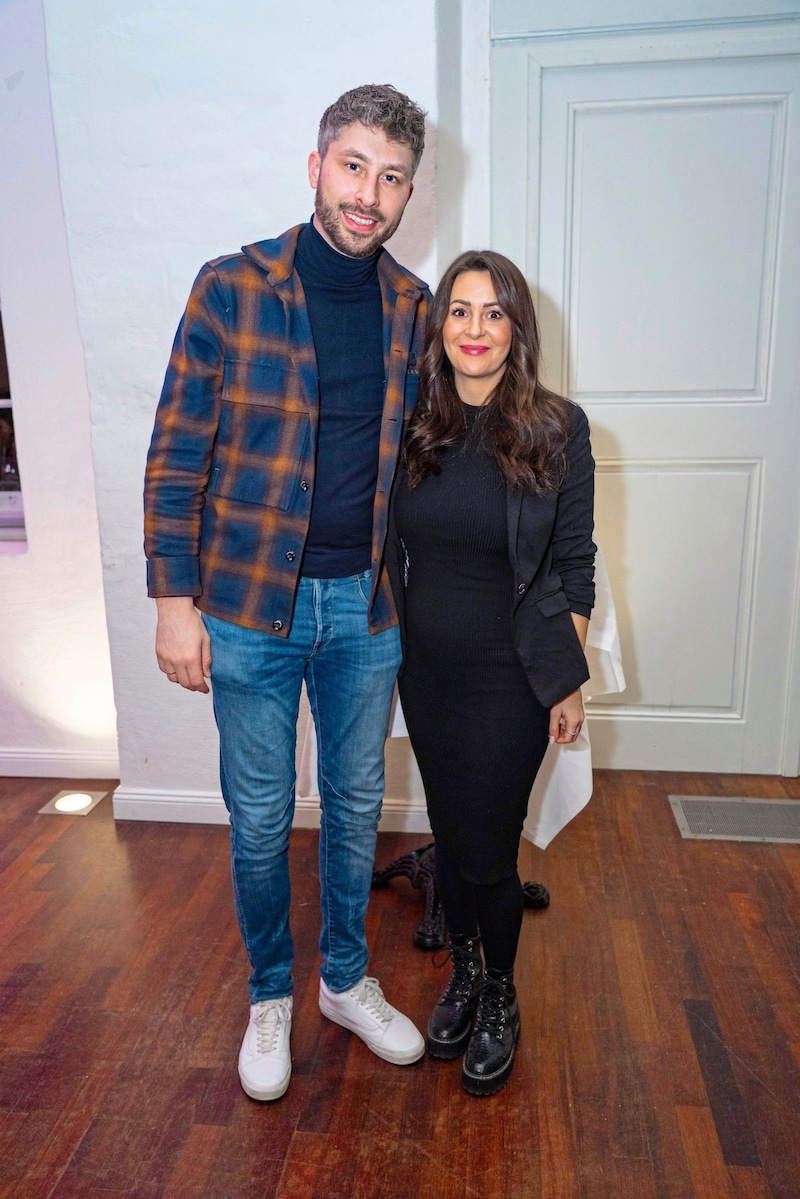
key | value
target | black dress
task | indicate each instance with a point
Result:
(478, 732)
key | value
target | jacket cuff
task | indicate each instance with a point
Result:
(173, 576)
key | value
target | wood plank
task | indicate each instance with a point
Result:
(748, 1183)
(636, 996)
(727, 1108)
(123, 999)
(709, 1175)
(195, 1163)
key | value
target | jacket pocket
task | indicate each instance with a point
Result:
(262, 447)
(272, 384)
(271, 486)
(552, 604)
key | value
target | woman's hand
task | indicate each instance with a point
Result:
(566, 719)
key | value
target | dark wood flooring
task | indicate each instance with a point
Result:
(659, 1059)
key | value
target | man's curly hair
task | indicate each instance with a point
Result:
(378, 106)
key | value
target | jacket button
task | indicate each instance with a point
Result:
(277, 625)
(521, 589)
(290, 555)
(304, 485)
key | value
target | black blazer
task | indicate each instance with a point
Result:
(551, 551)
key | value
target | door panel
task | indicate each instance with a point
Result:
(659, 223)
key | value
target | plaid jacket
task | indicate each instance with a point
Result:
(230, 472)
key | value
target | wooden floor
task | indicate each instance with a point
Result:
(660, 995)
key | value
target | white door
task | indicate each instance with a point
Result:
(651, 188)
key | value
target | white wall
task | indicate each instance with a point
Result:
(56, 704)
(463, 161)
(183, 129)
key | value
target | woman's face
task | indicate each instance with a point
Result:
(476, 335)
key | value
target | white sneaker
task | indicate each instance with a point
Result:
(265, 1064)
(364, 1010)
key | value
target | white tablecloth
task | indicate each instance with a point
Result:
(564, 783)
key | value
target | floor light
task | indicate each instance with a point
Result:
(72, 803)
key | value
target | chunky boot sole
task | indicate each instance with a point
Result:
(489, 1084)
(446, 1051)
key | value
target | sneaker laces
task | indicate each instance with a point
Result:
(272, 1014)
(369, 994)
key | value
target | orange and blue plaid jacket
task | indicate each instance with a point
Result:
(230, 472)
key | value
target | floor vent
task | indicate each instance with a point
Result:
(721, 818)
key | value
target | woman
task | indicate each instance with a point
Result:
(491, 558)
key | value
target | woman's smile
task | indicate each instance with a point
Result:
(477, 336)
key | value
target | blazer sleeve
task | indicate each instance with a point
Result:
(573, 549)
(181, 449)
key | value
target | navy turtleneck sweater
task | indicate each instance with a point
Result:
(343, 296)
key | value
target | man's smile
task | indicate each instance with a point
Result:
(359, 221)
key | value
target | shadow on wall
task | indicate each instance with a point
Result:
(610, 525)
(416, 239)
(452, 167)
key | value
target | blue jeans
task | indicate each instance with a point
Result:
(256, 681)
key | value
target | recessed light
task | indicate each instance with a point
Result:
(73, 803)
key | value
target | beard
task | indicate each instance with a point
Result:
(328, 215)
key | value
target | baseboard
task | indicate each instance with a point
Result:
(192, 807)
(404, 816)
(173, 807)
(58, 764)
(397, 816)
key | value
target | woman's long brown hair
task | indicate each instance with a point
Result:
(525, 425)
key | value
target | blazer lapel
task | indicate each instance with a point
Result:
(514, 510)
(530, 524)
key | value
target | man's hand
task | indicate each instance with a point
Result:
(183, 647)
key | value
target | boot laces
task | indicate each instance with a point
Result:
(492, 1010)
(369, 994)
(461, 980)
(269, 1020)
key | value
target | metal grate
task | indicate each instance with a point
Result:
(722, 818)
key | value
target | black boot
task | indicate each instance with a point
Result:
(451, 1019)
(489, 1058)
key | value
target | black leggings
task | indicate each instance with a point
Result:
(493, 909)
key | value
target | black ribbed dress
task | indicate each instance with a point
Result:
(478, 732)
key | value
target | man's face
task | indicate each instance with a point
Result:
(363, 185)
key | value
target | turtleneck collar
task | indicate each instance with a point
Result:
(325, 266)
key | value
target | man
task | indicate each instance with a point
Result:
(268, 480)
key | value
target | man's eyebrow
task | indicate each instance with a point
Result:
(388, 166)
